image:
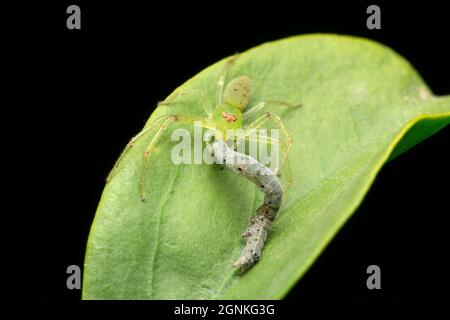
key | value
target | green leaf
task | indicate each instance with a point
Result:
(361, 102)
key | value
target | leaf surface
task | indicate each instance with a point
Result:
(362, 104)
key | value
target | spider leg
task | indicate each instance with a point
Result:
(286, 168)
(286, 144)
(130, 145)
(235, 137)
(253, 135)
(261, 138)
(170, 99)
(178, 93)
(283, 103)
(261, 105)
(162, 127)
(162, 123)
(221, 82)
(253, 109)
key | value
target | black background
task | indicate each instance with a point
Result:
(81, 94)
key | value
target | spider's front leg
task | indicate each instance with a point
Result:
(129, 145)
(160, 125)
(189, 120)
(221, 82)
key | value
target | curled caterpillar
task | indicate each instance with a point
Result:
(265, 179)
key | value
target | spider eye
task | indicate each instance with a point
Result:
(227, 117)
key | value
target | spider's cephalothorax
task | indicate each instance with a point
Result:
(236, 97)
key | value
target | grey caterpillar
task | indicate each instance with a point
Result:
(265, 179)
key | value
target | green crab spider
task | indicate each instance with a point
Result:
(231, 112)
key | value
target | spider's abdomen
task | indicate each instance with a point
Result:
(238, 92)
